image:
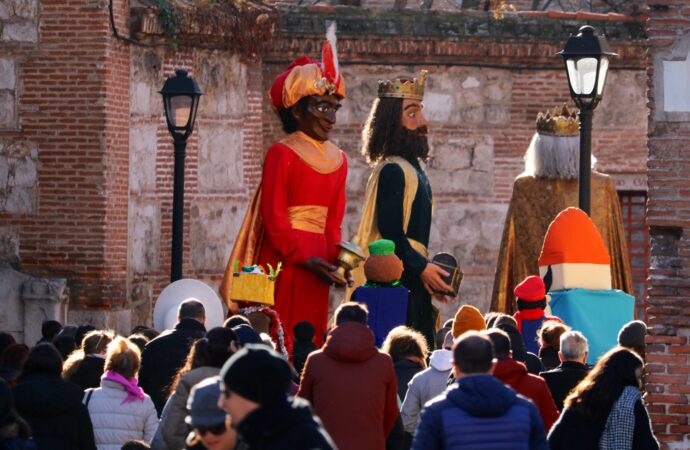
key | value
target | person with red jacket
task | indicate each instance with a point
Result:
(515, 375)
(351, 385)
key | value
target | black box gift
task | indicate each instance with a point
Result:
(447, 262)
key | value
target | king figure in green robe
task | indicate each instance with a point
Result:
(398, 204)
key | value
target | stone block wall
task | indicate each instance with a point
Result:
(222, 166)
(668, 344)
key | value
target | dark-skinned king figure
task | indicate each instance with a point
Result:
(295, 216)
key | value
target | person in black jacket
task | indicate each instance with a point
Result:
(15, 433)
(606, 409)
(573, 368)
(85, 366)
(164, 356)
(51, 406)
(408, 350)
(509, 325)
(255, 383)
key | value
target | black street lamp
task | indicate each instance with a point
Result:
(181, 100)
(586, 59)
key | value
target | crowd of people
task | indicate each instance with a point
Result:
(227, 388)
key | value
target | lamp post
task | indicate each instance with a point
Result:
(180, 99)
(586, 57)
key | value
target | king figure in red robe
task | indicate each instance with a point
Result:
(296, 214)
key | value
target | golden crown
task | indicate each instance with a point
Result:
(559, 122)
(404, 88)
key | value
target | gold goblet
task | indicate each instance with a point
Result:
(349, 258)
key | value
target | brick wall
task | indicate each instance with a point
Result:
(71, 89)
(668, 212)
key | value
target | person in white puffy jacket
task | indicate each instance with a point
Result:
(119, 409)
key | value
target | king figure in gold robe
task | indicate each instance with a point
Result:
(549, 185)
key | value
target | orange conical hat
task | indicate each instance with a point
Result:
(572, 237)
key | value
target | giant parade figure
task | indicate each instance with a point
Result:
(398, 202)
(294, 218)
(549, 185)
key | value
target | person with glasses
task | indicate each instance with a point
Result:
(210, 427)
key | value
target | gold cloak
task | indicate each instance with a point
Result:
(368, 230)
(533, 206)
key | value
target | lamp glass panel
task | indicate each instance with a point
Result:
(603, 70)
(582, 75)
(179, 110)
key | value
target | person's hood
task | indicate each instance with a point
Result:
(47, 397)
(482, 395)
(441, 360)
(350, 342)
(510, 371)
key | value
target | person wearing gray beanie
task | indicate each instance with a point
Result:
(632, 337)
(255, 385)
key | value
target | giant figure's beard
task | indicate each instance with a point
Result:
(415, 143)
(554, 157)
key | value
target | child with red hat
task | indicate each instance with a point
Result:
(530, 296)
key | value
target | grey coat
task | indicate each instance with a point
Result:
(172, 429)
(424, 386)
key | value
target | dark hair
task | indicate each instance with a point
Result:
(351, 312)
(43, 359)
(14, 356)
(441, 336)
(384, 132)
(149, 333)
(82, 331)
(403, 341)
(135, 445)
(448, 323)
(550, 333)
(50, 329)
(139, 340)
(191, 309)
(500, 341)
(490, 318)
(65, 345)
(6, 339)
(287, 119)
(504, 320)
(237, 319)
(598, 391)
(473, 353)
(211, 351)
(304, 331)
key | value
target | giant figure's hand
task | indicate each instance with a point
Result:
(432, 277)
(323, 269)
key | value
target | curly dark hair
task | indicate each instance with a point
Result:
(384, 134)
(287, 119)
(595, 395)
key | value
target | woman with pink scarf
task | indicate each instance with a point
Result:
(119, 409)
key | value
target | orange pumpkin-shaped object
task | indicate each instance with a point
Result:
(382, 265)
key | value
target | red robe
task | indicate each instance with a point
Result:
(289, 181)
